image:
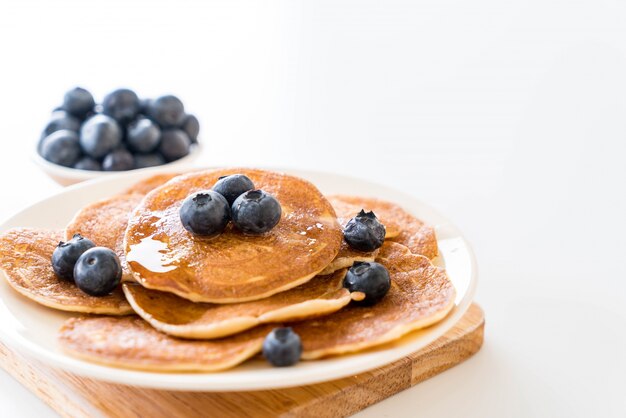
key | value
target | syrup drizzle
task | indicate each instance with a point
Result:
(151, 254)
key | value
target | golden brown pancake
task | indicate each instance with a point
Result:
(130, 342)
(148, 184)
(347, 207)
(346, 257)
(182, 318)
(420, 295)
(104, 222)
(232, 267)
(402, 227)
(25, 258)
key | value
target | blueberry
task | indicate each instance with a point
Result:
(118, 160)
(87, 163)
(78, 102)
(167, 111)
(256, 212)
(144, 106)
(371, 279)
(233, 186)
(364, 232)
(191, 126)
(205, 213)
(143, 135)
(98, 271)
(61, 147)
(67, 253)
(60, 119)
(121, 104)
(282, 347)
(100, 135)
(174, 144)
(148, 160)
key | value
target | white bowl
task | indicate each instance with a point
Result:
(66, 176)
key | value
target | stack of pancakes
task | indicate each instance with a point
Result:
(193, 304)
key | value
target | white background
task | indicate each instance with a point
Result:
(509, 117)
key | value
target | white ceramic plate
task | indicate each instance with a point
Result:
(30, 328)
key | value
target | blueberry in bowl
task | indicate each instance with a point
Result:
(143, 136)
(100, 135)
(61, 148)
(191, 126)
(60, 119)
(168, 111)
(88, 163)
(148, 160)
(121, 104)
(118, 160)
(78, 102)
(84, 139)
(174, 144)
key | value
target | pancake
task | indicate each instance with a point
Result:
(346, 257)
(182, 318)
(420, 295)
(25, 258)
(130, 342)
(402, 227)
(104, 222)
(148, 184)
(347, 207)
(232, 267)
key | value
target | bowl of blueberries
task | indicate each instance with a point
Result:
(84, 140)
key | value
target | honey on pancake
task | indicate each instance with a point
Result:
(144, 252)
(232, 267)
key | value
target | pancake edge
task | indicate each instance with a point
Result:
(306, 309)
(391, 335)
(347, 262)
(73, 222)
(165, 367)
(194, 297)
(124, 310)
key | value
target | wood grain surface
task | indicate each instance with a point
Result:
(74, 396)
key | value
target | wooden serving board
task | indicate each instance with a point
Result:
(74, 396)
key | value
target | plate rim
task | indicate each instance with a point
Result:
(217, 382)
